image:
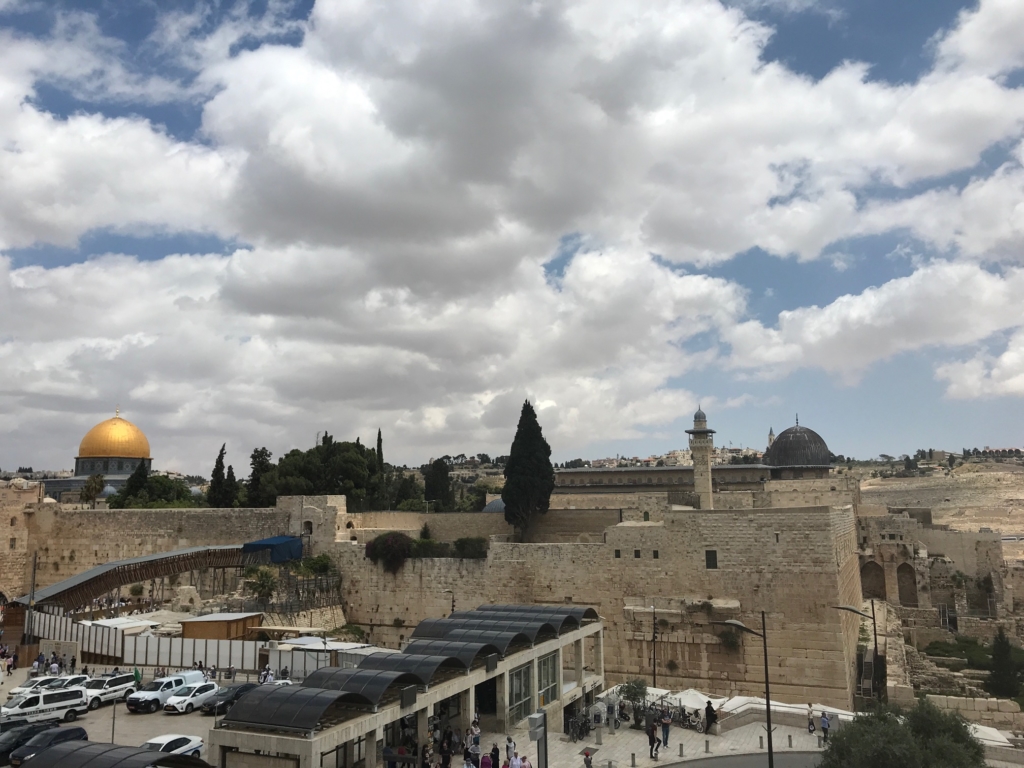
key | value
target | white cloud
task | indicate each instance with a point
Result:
(403, 174)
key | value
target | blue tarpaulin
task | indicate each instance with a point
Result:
(282, 548)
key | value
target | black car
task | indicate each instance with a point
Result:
(12, 738)
(223, 700)
(46, 739)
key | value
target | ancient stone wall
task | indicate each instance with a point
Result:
(1004, 714)
(444, 526)
(795, 564)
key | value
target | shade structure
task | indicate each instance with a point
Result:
(365, 685)
(425, 667)
(282, 549)
(85, 754)
(581, 613)
(535, 628)
(468, 653)
(501, 640)
(286, 708)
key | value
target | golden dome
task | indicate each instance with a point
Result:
(115, 437)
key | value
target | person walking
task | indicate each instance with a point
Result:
(710, 717)
(666, 721)
(588, 761)
(74, 663)
(653, 740)
(510, 748)
(825, 725)
(516, 761)
(495, 755)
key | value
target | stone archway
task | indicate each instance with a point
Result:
(906, 579)
(872, 580)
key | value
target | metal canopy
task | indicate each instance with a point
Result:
(85, 754)
(501, 640)
(581, 613)
(285, 708)
(496, 622)
(467, 653)
(369, 685)
(423, 666)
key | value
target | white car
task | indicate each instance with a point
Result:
(284, 681)
(190, 697)
(175, 744)
(71, 681)
(30, 684)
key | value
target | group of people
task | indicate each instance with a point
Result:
(55, 665)
(826, 722)
(444, 746)
(9, 658)
(665, 719)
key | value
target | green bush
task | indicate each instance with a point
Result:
(320, 565)
(431, 548)
(425, 531)
(136, 590)
(471, 548)
(730, 639)
(391, 550)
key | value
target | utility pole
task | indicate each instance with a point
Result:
(31, 600)
(654, 649)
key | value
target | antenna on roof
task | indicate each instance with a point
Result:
(798, 419)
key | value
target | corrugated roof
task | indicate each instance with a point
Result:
(85, 754)
(285, 708)
(221, 617)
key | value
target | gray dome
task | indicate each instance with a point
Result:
(699, 415)
(798, 447)
(107, 492)
(498, 505)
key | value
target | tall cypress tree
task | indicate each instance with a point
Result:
(1003, 680)
(216, 493)
(529, 476)
(230, 488)
(260, 488)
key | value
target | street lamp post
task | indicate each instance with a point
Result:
(654, 649)
(874, 626)
(763, 634)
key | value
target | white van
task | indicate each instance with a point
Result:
(64, 704)
(152, 696)
(109, 688)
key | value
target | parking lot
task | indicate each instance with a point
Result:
(129, 729)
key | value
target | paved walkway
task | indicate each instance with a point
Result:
(620, 747)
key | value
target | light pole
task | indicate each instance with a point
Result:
(654, 649)
(452, 593)
(874, 626)
(763, 634)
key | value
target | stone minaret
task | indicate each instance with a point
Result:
(701, 445)
(771, 436)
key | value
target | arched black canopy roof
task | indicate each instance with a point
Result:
(425, 667)
(436, 628)
(85, 754)
(369, 685)
(466, 652)
(443, 628)
(581, 613)
(501, 640)
(287, 707)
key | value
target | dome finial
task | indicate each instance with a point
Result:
(798, 419)
(117, 412)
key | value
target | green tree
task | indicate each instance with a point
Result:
(529, 476)
(92, 489)
(330, 468)
(263, 584)
(438, 485)
(261, 488)
(217, 495)
(635, 692)
(230, 487)
(1004, 678)
(922, 737)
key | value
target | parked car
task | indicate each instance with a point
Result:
(154, 695)
(30, 684)
(109, 688)
(11, 739)
(189, 698)
(42, 706)
(176, 744)
(46, 739)
(225, 698)
(71, 681)
(284, 681)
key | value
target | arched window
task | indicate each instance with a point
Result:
(307, 528)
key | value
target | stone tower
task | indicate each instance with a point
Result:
(771, 436)
(701, 445)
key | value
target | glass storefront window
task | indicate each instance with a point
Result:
(547, 678)
(519, 693)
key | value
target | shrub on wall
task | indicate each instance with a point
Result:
(471, 547)
(136, 590)
(391, 550)
(730, 639)
(431, 548)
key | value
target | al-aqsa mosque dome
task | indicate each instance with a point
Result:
(112, 447)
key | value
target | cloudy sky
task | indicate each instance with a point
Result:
(252, 221)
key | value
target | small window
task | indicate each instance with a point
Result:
(14, 543)
(711, 559)
(618, 553)
(636, 553)
(776, 537)
(14, 521)
(647, 517)
(655, 554)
